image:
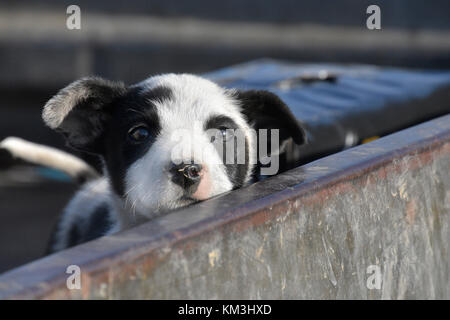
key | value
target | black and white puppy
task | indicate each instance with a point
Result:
(137, 131)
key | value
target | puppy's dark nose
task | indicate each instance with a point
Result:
(186, 175)
(191, 171)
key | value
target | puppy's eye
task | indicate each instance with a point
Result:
(227, 133)
(222, 134)
(139, 133)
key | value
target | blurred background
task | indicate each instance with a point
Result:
(131, 40)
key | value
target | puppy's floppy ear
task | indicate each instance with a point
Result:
(80, 111)
(265, 110)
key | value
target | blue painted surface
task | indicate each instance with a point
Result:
(358, 88)
(53, 174)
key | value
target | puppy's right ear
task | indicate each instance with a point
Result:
(81, 110)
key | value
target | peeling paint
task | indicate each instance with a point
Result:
(213, 257)
(403, 190)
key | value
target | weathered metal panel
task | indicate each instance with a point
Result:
(311, 232)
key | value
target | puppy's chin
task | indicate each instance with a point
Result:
(182, 202)
(150, 211)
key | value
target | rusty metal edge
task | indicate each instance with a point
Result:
(46, 278)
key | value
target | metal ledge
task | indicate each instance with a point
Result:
(311, 232)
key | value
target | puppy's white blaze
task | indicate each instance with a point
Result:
(147, 185)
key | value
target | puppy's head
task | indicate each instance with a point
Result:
(172, 139)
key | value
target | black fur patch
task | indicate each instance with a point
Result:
(84, 125)
(97, 225)
(266, 110)
(132, 109)
(74, 236)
